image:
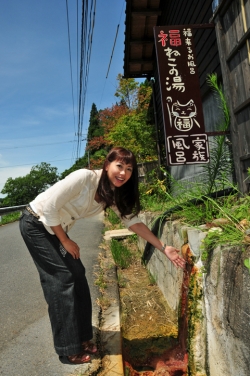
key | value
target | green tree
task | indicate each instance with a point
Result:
(133, 131)
(80, 163)
(127, 91)
(94, 129)
(95, 140)
(127, 123)
(134, 128)
(22, 190)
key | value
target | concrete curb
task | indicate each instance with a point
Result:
(117, 234)
(111, 338)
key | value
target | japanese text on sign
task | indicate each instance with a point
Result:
(181, 102)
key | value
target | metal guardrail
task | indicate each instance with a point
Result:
(11, 209)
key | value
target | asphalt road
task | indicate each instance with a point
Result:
(26, 346)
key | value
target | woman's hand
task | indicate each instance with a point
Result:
(171, 252)
(72, 248)
(67, 243)
(172, 255)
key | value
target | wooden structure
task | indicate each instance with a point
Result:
(223, 50)
(232, 20)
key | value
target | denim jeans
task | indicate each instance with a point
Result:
(64, 284)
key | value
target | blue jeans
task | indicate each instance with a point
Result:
(64, 284)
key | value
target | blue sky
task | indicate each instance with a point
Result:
(37, 122)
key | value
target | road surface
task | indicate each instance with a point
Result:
(26, 346)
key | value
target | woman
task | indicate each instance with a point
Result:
(44, 226)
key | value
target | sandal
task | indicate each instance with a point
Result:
(75, 359)
(89, 347)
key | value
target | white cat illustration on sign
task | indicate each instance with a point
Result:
(183, 115)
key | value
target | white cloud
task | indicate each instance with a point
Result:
(12, 172)
(3, 163)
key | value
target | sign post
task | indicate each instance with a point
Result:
(186, 140)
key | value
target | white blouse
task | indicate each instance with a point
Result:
(72, 198)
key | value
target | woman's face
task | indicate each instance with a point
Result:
(118, 173)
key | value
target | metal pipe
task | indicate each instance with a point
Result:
(10, 209)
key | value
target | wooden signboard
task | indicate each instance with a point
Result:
(186, 140)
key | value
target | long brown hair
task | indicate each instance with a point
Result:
(126, 197)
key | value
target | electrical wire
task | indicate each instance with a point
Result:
(71, 74)
(88, 54)
(70, 60)
(88, 22)
(84, 45)
(86, 40)
(31, 146)
(112, 53)
(77, 67)
(81, 73)
(113, 49)
(33, 164)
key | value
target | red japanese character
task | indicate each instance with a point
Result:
(163, 37)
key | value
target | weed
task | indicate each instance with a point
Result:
(153, 192)
(112, 217)
(121, 254)
(132, 238)
(103, 302)
(120, 279)
(100, 281)
(151, 278)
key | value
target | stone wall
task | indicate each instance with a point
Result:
(219, 309)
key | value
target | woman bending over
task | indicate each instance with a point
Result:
(44, 226)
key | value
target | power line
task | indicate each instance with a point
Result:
(112, 50)
(31, 146)
(111, 56)
(77, 65)
(72, 90)
(88, 22)
(34, 163)
(81, 73)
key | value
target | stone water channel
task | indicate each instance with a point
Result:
(154, 336)
(205, 321)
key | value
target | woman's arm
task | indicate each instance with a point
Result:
(67, 243)
(171, 252)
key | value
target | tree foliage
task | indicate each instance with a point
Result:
(94, 129)
(80, 163)
(133, 128)
(136, 134)
(127, 91)
(22, 190)
(126, 123)
(95, 139)
(109, 117)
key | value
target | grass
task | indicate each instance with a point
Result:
(8, 218)
(113, 217)
(121, 254)
(194, 203)
(229, 214)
